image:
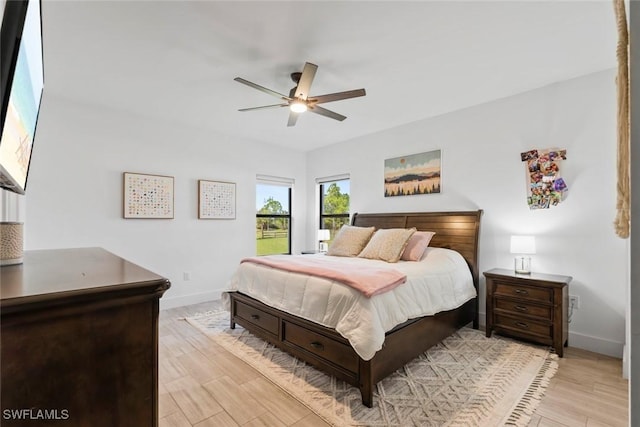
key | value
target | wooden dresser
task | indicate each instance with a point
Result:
(532, 306)
(79, 340)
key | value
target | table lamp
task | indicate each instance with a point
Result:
(521, 246)
(323, 236)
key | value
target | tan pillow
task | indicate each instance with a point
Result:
(387, 244)
(417, 245)
(350, 240)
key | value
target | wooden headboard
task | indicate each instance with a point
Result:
(454, 230)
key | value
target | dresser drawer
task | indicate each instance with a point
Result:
(523, 308)
(524, 326)
(262, 319)
(525, 292)
(321, 346)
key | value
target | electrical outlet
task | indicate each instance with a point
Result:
(574, 301)
(186, 276)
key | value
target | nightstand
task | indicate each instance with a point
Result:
(532, 306)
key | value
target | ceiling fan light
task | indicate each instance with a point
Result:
(298, 107)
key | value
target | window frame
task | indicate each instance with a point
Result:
(280, 216)
(324, 216)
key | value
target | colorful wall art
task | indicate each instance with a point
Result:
(545, 186)
(216, 200)
(414, 174)
(147, 196)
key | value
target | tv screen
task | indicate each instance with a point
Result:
(22, 84)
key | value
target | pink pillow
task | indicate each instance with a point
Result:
(417, 245)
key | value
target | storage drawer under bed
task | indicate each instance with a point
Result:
(321, 346)
(257, 317)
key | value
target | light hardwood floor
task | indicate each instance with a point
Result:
(203, 385)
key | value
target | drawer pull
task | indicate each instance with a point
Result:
(522, 325)
(255, 317)
(317, 345)
(521, 308)
(521, 292)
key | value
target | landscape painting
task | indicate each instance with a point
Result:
(414, 174)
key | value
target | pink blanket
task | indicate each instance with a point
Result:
(367, 279)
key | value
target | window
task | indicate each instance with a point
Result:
(273, 218)
(334, 204)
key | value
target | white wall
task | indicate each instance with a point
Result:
(481, 164)
(74, 196)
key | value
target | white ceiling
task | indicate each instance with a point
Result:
(176, 60)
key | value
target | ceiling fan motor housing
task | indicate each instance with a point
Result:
(296, 76)
(297, 100)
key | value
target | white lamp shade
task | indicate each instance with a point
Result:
(324, 234)
(523, 245)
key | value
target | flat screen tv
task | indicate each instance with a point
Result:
(21, 83)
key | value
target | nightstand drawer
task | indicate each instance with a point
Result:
(523, 308)
(524, 326)
(525, 292)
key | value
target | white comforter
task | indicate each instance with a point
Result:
(441, 281)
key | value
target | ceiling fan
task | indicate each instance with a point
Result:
(299, 99)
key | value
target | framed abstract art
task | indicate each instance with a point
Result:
(216, 199)
(147, 196)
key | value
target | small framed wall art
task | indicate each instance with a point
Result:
(216, 199)
(147, 196)
(414, 174)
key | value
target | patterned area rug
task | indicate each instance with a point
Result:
(467, 380)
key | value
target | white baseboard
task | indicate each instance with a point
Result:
(596, 344)
(179, 301)
(482, 320)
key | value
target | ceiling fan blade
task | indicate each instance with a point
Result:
(337, 96)
(326, 113)
(293, 118)
(304, 84)
(263, 107)
(262, 88)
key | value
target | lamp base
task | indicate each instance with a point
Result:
(14, 261)
(324, 247)
(11, 243)
(522, 265)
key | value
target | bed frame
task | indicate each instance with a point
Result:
(327, 350)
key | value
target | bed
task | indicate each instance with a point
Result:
(329, 350)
